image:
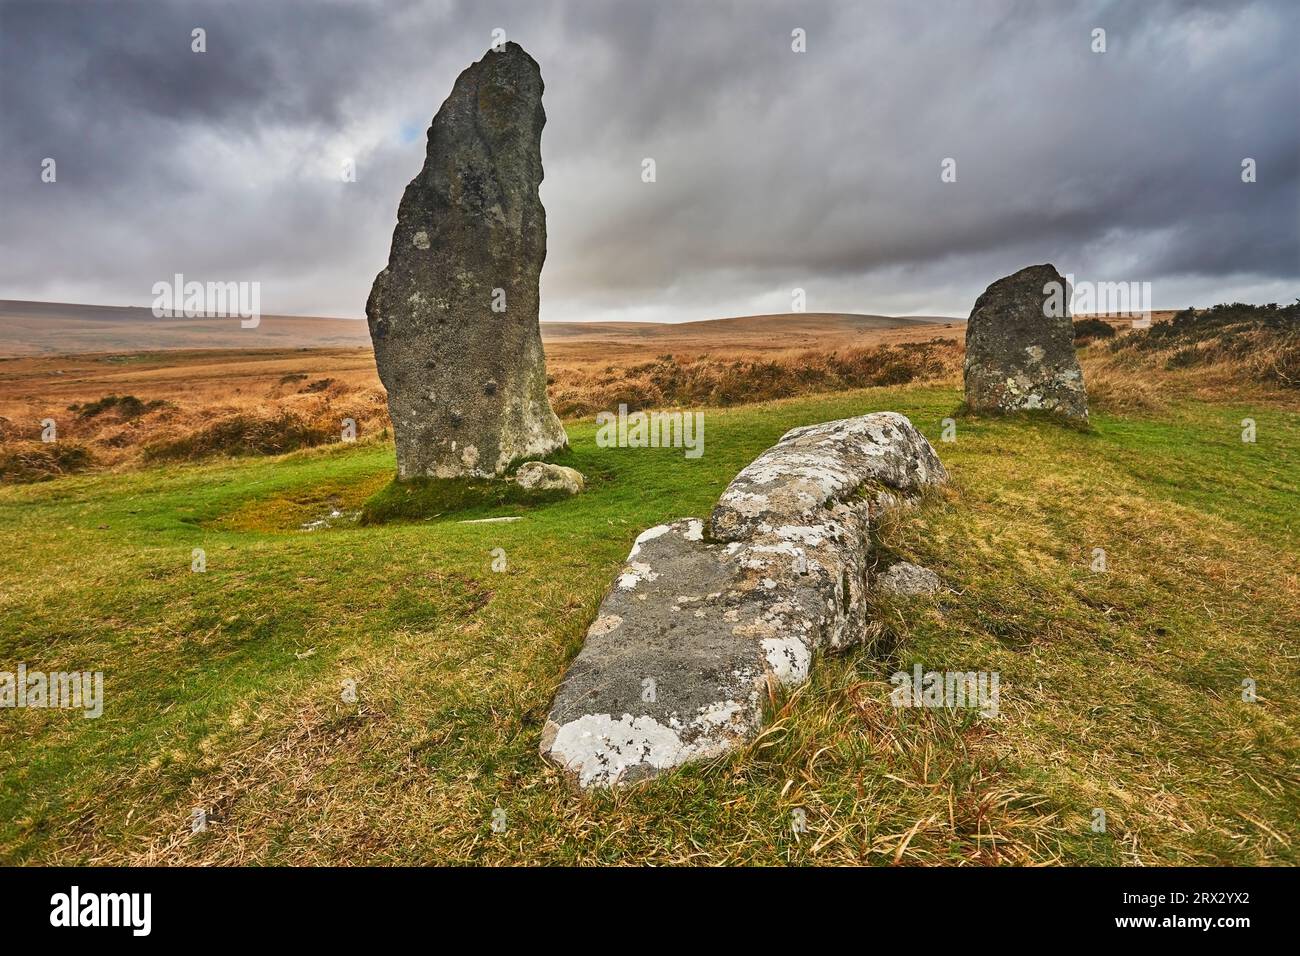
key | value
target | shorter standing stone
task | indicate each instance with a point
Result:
(1020, 347)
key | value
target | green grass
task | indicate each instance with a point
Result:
(1119, 690)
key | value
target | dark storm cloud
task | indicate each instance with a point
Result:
(775, 170)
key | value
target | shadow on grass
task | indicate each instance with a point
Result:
(420, 499)
(963, 412)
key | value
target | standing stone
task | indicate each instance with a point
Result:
(1020, 347)
(453, 317)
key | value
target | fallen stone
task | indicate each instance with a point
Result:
(907, 580)
(543, 476)
(695, 628)
(453, 316)
(1020, 356)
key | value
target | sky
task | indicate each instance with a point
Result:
(775, 170)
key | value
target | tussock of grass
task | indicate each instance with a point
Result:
(125, 406)
(244, 434)
(25, 462)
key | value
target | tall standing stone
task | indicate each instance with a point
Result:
(1020, 347)
(453, 317)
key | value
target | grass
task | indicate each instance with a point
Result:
(1120, 690)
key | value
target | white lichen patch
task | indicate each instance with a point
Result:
(811, 535)
(647, 535)
(420, 240)
(789, 658)
(600, 749)
(718, 715)
(634, 574)
(783, 547)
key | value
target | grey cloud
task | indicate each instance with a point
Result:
(818, 169)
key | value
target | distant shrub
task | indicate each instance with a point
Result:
(1185, 357)
(126, 406)
(42, 461)
(1088, 330)
(1191, 327)
(244, 434)
(1262, 341)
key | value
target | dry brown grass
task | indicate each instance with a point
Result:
(1118, 389)
(126, 410)
(1231, 352)
(199, 403)
(171, 415)
(27, 461)
(672, 380)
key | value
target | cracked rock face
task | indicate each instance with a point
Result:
(453, 317)
(1019, 358)
(699, 621)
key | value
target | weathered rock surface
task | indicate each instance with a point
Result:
(543, 476)
(1018, 356)
(678, 660)
(907, 580)
(466, 382)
